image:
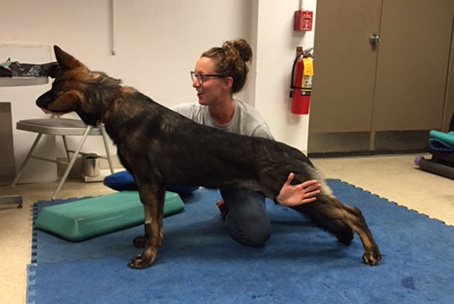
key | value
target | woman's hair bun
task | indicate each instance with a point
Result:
(239, 46)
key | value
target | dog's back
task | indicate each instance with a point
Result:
(189, 153)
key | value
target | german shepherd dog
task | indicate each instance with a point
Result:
(158, 147)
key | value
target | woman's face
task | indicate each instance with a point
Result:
(212, 89)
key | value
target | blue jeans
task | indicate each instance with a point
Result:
(247, 220)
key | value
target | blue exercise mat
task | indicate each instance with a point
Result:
(199, 263)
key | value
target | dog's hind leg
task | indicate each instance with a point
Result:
(356, 220)
(343, 232)
(153, 204)
(340, 219)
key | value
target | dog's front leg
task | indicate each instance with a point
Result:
(153, 203)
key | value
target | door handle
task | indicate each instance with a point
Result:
(374, 39)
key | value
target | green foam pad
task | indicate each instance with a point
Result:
(87, 218)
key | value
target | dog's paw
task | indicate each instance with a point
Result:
(139, 241)
(371, 258)
(140, 262)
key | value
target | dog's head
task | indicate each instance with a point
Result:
(78, 89)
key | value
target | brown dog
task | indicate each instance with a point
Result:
(158, 146)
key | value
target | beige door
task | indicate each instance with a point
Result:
(383, 93)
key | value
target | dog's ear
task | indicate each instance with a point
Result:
(66, 61)
(66, 102)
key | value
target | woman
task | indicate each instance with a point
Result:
(219, 73)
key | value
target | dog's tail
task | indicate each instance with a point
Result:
(308, 172)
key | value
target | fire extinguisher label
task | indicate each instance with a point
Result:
(308, 67)
(308, 72)
(307, 82)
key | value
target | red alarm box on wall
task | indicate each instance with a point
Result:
(303, 20)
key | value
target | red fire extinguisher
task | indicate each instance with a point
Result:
(301, 86)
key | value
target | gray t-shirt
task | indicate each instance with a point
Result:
(245, 121)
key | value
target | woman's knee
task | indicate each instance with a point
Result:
(247, 220)
(253, 234)
(258, 236)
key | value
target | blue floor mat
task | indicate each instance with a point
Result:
(199, 263)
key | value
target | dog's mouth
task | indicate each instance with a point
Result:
(53, 113)
(46, 111)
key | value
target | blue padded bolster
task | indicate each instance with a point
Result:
(123, 181)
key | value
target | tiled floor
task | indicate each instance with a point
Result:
(391, 177)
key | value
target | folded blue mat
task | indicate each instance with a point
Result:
(443, 142)
(438, 145)
(445, 137)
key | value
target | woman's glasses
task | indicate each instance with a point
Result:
(201, 78)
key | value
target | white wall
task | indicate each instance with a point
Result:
(276, 50)
(157, 44)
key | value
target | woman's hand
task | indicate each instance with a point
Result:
(294, 195)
